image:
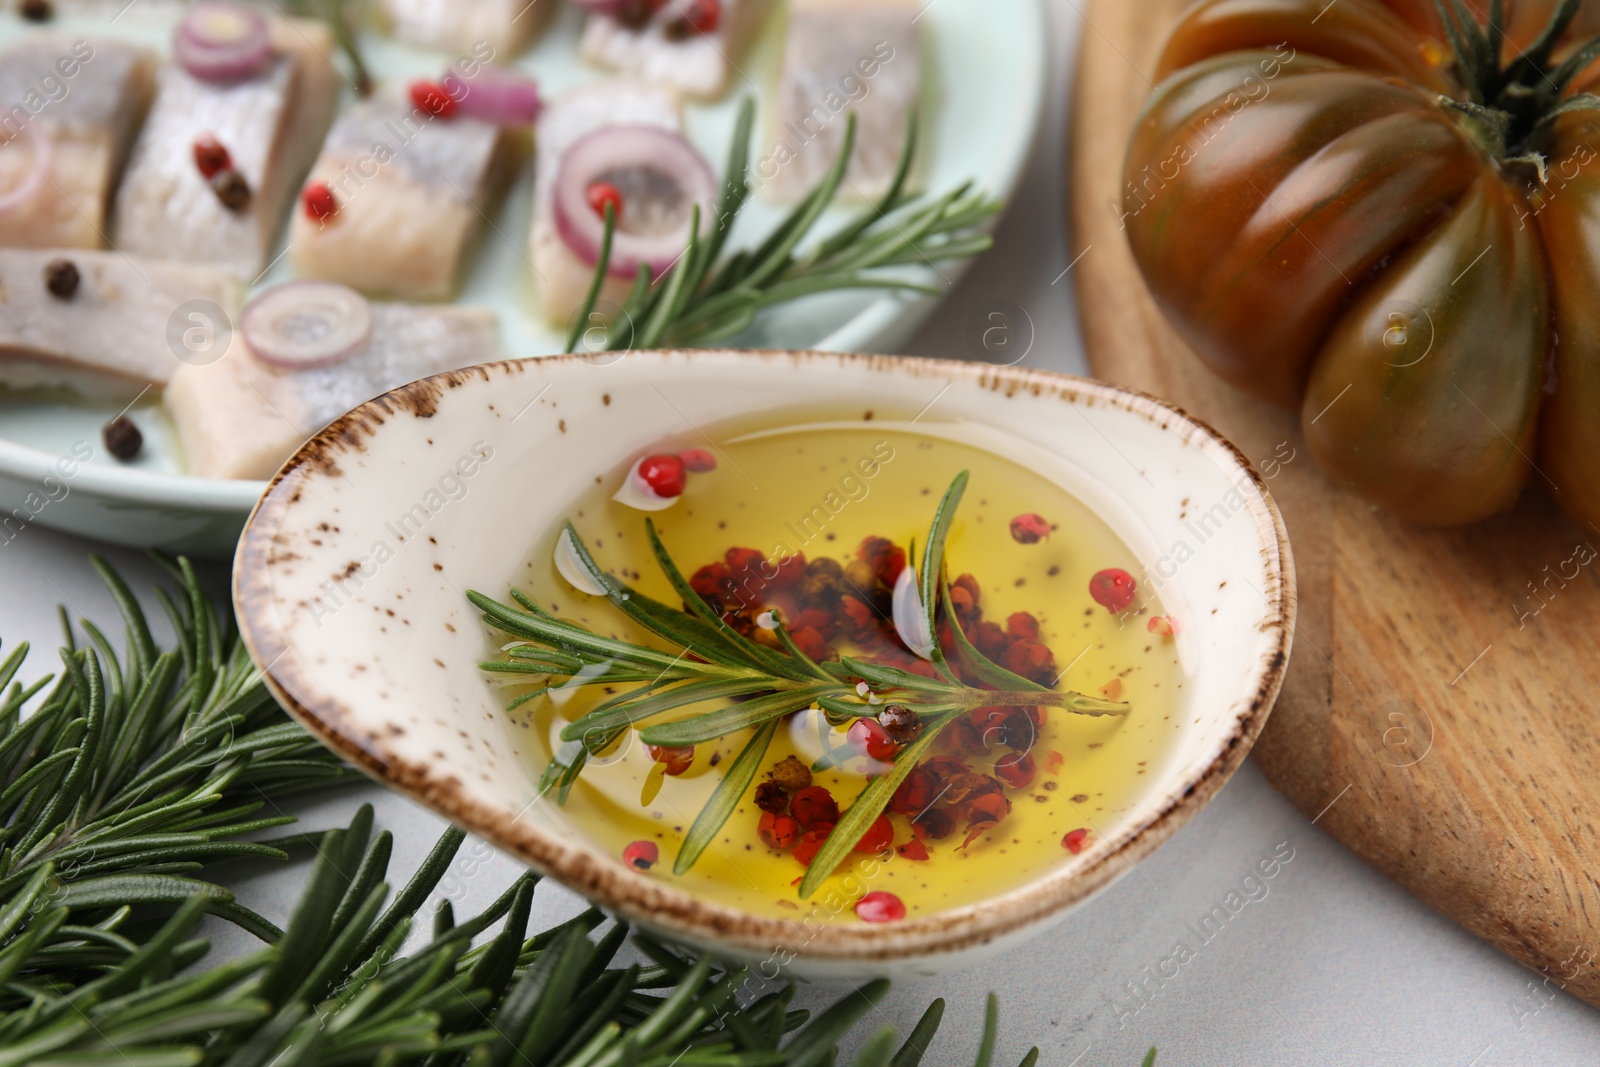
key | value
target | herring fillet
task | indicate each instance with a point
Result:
(86, 98)
(271, 125)
(241, 418)
(464, 26)
(112, 338)
(700, 65)
(561, 276)
(839, 56)
(412, 191)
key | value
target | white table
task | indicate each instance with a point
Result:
(1333, 965)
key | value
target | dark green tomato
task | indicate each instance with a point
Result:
(1329, 237)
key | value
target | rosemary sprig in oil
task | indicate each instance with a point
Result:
(751, 687)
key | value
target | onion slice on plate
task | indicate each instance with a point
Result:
(500, 97)
(222, 42)
(301, 325)
(636, 160)
(43, 149)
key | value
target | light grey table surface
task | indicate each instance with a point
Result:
(1326, 963)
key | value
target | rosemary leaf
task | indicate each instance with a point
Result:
(714, 724)
(866, 808)
(726, 797)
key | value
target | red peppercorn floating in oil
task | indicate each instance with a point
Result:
(599, 194)
(778, 831)
(663, 474)
(698, 460)
(814, 806)
(880, 907)
(1162, 625)
(641, 855)
(879, 836)
(1112, 589)
(1074, 841)
(210, 156)
(869, 739)
(319, 202)
(674, 761)
(805, 850)
(1029, 529)
(431, 97)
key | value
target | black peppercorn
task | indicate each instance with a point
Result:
(122, 437)
(61, 278)
(37, 10)
(900, 722)
(791, 774)
(231, 189)
(770, 796)
(678, 30)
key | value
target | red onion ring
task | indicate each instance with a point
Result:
(43, 155)
(496, 96)
(303, 325)
(221, 42)
(613, 148)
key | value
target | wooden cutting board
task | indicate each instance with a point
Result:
(1440, 712)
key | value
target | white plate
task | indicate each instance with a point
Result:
(983, 85)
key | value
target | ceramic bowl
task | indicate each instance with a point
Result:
(350, 577)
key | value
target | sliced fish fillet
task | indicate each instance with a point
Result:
(413, 191)
(840, 56)
(469, 27)
(119, 333)
(85, 99)
(271, 125)
(241, 418)
(700, 65)
(561, 276)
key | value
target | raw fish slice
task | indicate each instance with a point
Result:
(502, 28)
(839, 56)
(699, 65)
(561, 276)
(85, 99)
(113, 337)
(412, 190)
(241, 418)
(271, 125)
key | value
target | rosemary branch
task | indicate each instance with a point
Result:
(135, 770)
(700, 301)
(751, 686)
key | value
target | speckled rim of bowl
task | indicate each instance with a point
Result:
(674, 912)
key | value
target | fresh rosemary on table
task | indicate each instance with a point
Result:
(701, 302)
(707, 661)
(133, 774)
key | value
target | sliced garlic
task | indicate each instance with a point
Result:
(910, 621)
(572, 569)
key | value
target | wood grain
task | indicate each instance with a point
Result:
(1440, 709)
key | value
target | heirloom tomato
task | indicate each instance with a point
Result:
(1386, 214)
